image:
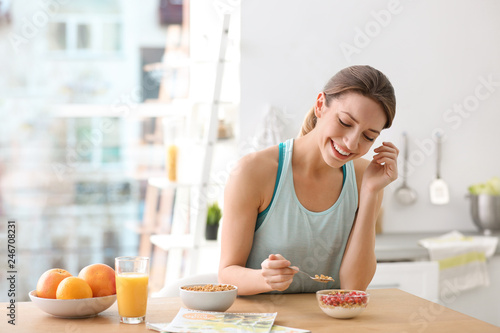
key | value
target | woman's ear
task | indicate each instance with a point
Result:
(319, 105)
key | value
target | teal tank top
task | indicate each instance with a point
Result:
(313, 241)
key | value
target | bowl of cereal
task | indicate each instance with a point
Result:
(342, 304)
(208, 297)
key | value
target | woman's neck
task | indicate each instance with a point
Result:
(307, 158)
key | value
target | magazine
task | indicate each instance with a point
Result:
(162, 328)
(284, 329)
(188, 320)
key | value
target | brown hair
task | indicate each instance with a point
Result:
(365, 80)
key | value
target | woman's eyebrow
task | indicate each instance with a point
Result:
(354, 119)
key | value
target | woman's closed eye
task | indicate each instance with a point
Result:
(343, 123)
(369, 138)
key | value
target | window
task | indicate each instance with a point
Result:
(86, 29)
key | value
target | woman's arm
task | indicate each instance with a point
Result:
(249, 190)
(359, 262)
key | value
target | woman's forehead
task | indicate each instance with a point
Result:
(360, 108)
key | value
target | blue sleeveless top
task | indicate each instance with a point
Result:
(313, 241)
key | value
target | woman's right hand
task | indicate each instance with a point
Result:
(276, 272)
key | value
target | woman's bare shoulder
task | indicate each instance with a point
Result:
(360, 165)
(263, 163)
(252, 180)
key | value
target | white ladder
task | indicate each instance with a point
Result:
(209, 143)
(177, 243)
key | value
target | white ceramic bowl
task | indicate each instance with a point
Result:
(218, 301)
(342, 304)
(73, 308)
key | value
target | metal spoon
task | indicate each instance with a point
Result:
(404, 193)
(312, 277)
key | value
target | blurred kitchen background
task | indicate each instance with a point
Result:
(93, 92)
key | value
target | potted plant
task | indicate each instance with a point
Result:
(214, 215)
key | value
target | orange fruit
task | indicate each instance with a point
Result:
(101, 279)
(48, 282)
(73, 288)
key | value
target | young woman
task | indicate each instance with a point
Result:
(312, 202)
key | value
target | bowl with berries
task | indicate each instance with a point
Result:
(342, 304)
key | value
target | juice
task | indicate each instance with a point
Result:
(132, 294)
(172, 151)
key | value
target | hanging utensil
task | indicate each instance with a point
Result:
(439, 189)
(404, 193)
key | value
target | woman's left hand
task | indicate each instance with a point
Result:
(383, 169)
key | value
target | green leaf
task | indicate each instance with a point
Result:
(214, 214)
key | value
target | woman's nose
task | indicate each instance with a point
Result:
(351, 141)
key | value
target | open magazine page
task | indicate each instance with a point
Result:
(284, 329)
(162, 328)
(188, 320)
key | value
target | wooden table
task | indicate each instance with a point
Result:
(389, 310)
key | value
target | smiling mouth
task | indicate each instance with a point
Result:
(339, 150)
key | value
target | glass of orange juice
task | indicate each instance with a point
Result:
(132, 276)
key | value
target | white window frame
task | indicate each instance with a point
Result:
(96, 23)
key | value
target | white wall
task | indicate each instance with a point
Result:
(437, 55)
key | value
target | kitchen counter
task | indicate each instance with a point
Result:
(404, 264)
(389, 310)
(404, 246)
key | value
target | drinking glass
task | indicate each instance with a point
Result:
(132, 276)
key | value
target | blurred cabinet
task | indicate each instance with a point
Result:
(418, 278)
(480, 303)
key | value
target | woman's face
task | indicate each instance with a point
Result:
(348, 127)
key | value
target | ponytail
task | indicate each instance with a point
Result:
(309, 122)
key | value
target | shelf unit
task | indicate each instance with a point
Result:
(168, 230)
(181, 207)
